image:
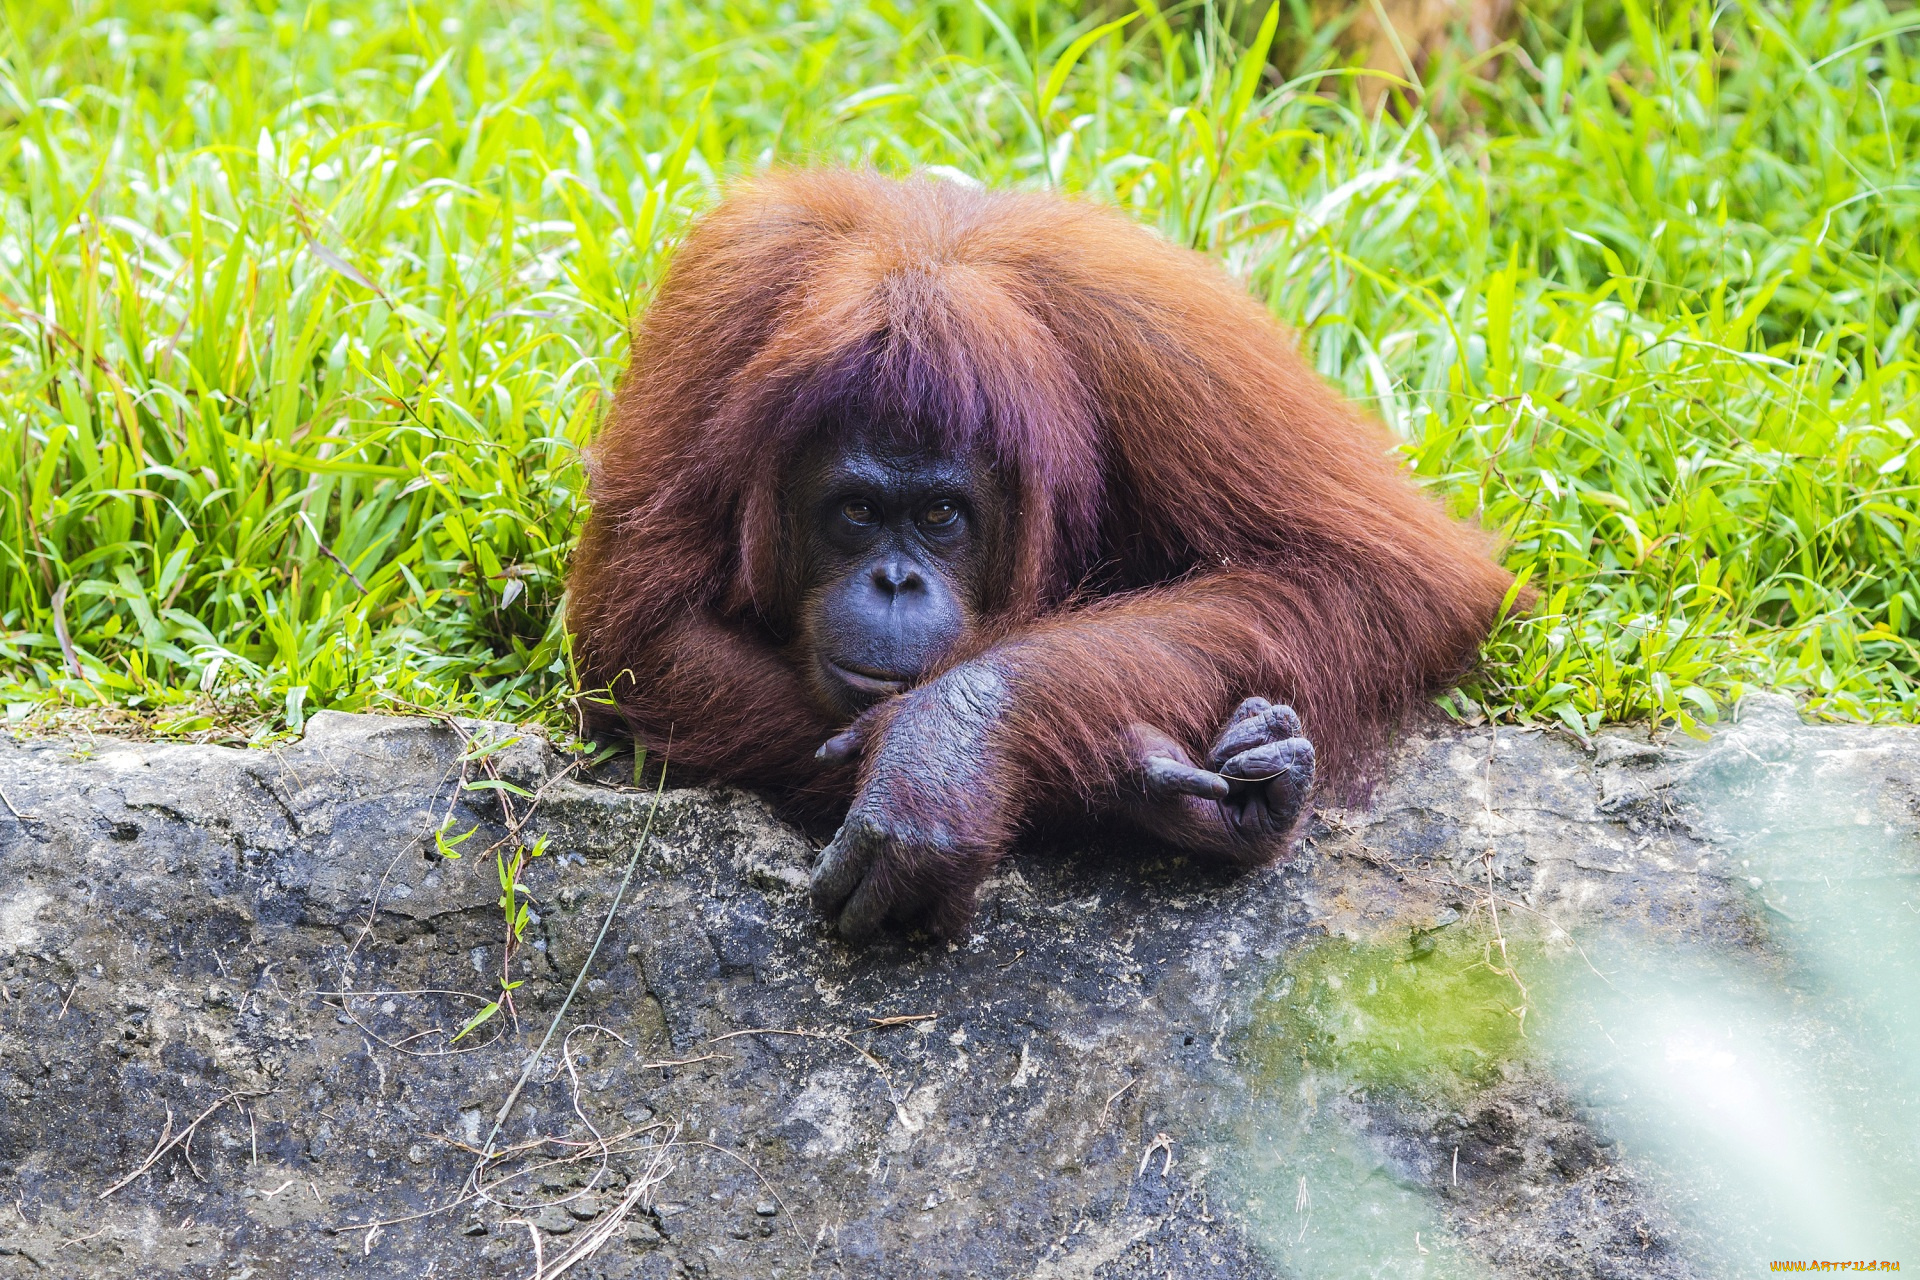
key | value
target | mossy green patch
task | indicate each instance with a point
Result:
(1431, 1014)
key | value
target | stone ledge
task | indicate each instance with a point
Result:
(178, 924)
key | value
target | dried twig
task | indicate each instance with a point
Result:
(169, 1139)
(579, 979)
(804, 1034)
(485, 1191)
(683, 1062)
(328, 552)
(1164, 1145)
(1113, 1098)
(17, 815)
(573, 1077)
(68, 1244)
(60, 632)
(754, 1169)
(1449, 882)
(379, 891)
(1505, 968)
(400, 1046)
(539, 1252)
(639, 1195)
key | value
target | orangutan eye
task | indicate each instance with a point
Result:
(941, 514)
(858, 512)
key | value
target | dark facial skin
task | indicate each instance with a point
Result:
(893, 542)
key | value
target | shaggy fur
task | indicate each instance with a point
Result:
(1199, 517)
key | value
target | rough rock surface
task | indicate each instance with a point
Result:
(266, 948)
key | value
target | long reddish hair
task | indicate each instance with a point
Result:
(1157, 432)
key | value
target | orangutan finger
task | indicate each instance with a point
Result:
(840, 748)
(1292, 758)
(844, 863)
(864, 913)
(1247, 709)
(1274, 724)
(1167, 778)
(872, 906)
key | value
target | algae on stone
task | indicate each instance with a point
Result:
(1430, 1014)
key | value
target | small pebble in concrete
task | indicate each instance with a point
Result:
(554, 1220)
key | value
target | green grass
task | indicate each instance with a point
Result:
(309, 309)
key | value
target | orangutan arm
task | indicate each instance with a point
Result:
(716, 701)
(1135, 705)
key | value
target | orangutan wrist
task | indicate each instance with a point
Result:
(945, 729)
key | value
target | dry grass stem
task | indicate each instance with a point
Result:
(169, 1139)
(1112, 1098)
